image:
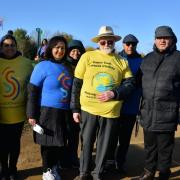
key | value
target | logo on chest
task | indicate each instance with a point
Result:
(11, 86)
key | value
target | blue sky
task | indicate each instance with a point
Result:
(82, 18)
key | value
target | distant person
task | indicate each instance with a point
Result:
(49, 91)
(75, 50)
(15, 73)
(130, 107)
(160, 103)
(96, 99)
(10, 32)
(41, 50)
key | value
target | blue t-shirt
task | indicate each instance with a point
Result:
(55, 81)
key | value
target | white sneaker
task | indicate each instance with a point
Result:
(48, 175)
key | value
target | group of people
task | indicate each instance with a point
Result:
(93, 96)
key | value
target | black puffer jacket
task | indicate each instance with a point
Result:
(161, 90)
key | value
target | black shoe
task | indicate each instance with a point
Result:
(164, 175)
(109, 166)
(146, 175)
(121, 171)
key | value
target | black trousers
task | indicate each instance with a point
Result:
(158, 150)
(51, 155)
(126, 124)
(93, 126)
(120, 143)
(10, 135)
(72, 137)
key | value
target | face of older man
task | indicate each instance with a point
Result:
(106, 44)
(130, 48)
(163, 43)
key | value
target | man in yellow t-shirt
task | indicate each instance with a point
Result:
(102, 80)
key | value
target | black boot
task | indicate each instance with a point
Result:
(164, 175)
(146, 175)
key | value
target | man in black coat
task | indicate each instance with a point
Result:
(160, 103)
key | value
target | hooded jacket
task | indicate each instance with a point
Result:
(74, 44)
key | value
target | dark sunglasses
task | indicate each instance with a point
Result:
(9, 45)
(109, 42)
(131, 43)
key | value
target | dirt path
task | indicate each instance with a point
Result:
(29, 164)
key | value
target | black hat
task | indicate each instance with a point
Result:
(164, 31)
(130, 38)
(10, 32)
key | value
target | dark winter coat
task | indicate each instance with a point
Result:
(131, 105)
(74, 44)
(161, 90)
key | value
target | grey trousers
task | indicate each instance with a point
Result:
(103, 131)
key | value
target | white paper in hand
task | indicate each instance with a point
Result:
(37, 128)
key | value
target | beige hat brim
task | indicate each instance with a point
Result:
(97, 38)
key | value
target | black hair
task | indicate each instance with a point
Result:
(8, 36)
(43, 41)
(52, 43)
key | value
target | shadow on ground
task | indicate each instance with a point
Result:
(24, 174)
(30, 162)
(36, 173)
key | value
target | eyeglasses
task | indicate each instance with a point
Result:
(9, 45)
(104, 42)
(131, 43)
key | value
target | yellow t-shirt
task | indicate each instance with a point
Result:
(15, 74)
(101, 72)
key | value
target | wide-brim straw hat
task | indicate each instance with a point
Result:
(105, 31)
